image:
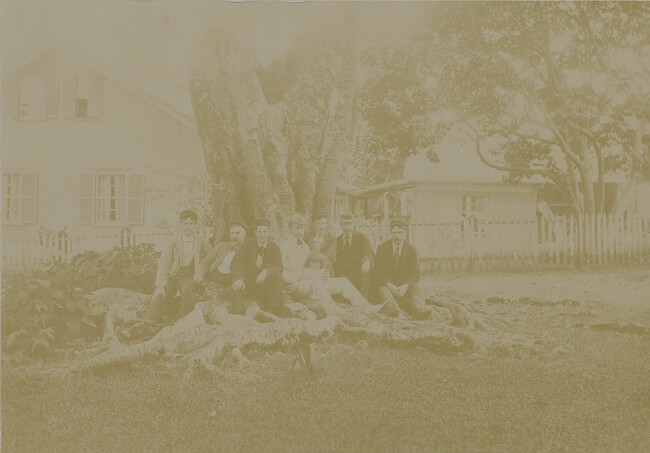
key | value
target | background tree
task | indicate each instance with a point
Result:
(547, 83)
(395, 112)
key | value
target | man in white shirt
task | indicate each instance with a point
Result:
(179, 270)
(295, 251)
(216, 264)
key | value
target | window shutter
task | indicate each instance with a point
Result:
(87, 198)
(69, 96)
(11, 101)
(136, 199)
(51, 95)
(95, 96)
(29, 205)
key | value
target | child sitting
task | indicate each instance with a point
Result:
(316, 268)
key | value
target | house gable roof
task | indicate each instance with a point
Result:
(167, 97)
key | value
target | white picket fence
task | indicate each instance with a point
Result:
(462, 244)
(481, 244)
(20, 253)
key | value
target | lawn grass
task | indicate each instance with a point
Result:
(597, 398)
(576, 389)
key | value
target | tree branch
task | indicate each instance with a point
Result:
(564, 146)
(590, 135)
(526, 170)
(526, 136)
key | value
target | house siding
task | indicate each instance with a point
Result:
(436, 203)
(132, 135)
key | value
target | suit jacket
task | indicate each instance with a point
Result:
(327, 248)
(244, 264)
(213, 259)
(360, 249)
(170, 258)
(405, 271)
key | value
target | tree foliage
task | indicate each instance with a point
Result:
(395, 110)
(562, 87)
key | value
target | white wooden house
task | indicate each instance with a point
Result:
(92, 147)
(449, 190)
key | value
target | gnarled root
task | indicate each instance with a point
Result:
(461, 317)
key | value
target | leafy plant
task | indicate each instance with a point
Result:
(45, 309)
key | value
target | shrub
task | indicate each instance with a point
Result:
(45, 308)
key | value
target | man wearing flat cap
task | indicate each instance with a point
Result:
(179, 270)
(396, 274)
(215, 266)
(354, 256)
(257, 273)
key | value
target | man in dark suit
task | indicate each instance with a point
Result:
(215, 266)
(354, 256)
(257, 273)
(397, 275)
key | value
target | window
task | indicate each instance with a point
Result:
(38, 97)
(83, 96)
(19, 194)
(108, 198)
(111, 199)
(473, 212)
(473, 206)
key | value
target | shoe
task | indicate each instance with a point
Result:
(390, 309)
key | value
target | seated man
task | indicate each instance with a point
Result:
(216, 265)
(397, 274)
(257, 273)
(354, 257)
(310, 291)
(179, 270)
(320, 239)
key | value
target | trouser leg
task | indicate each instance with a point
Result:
(345, 288)
(190, 293)
(160, 307)
(156, 308)
(240, 301)
(413, 299)
(391, 307)
(270, 296)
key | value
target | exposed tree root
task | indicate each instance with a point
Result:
(461, 317)
(622, 328)
(212, 339)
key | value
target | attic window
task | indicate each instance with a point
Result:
(38, 97)
(83, 95)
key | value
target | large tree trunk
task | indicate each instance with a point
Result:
(269, 160)
(237, 128)
(338, 139)
(321, 104)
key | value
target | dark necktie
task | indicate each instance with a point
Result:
(260, 256)
(346, 244)
(396, 256)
